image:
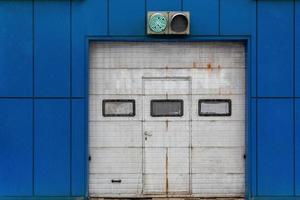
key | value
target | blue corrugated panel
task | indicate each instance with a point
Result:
(52, 48)
(79, 140)
(164, 5)
(237, 17)
(297, 122)
(275, 48)
(89, 18)
(52, 147)
(127, 17)
(251, 155)
(297, 147)
(16, 48)
(60, 172)
(275, 173)
(297, 48)
(16, 147)
(251, 66)
(204, 16)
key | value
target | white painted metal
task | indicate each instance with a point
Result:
(205, 81)
(166, 139)
(167, 55)
(198, 156)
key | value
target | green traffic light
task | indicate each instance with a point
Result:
(158, 23)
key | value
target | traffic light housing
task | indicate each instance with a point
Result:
(168, 23)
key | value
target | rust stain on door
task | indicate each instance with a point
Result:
(167, 125)
(167, 171)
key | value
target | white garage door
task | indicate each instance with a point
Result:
(167, 119)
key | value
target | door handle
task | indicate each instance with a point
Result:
(146, 133)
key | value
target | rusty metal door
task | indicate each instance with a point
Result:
(167, 119)
(166, 130)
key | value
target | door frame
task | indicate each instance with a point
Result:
(250, 107)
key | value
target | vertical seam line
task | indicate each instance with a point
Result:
(256, 49)
(71, 95)
(294, 94)
(33, 100)
(256, 102)
(294, 47)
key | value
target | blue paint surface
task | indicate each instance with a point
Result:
(164, 5)
(297, 147)
(204, 16)
(16, 147)
(44, 53)
(297, 122)
(297, 48)
(52, 48)
(275, 49)
(52, 147)
(237, 17)
(251, 150)
(129, 21)
(16, 43)
(79, 158)
(275, 147)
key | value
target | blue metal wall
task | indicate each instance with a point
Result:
(43, 62)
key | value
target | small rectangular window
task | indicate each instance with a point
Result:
(118, 108)
(167, 108)
(214, 107)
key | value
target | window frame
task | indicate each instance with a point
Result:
(104, 101)
(216, 101)
(166, 100)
